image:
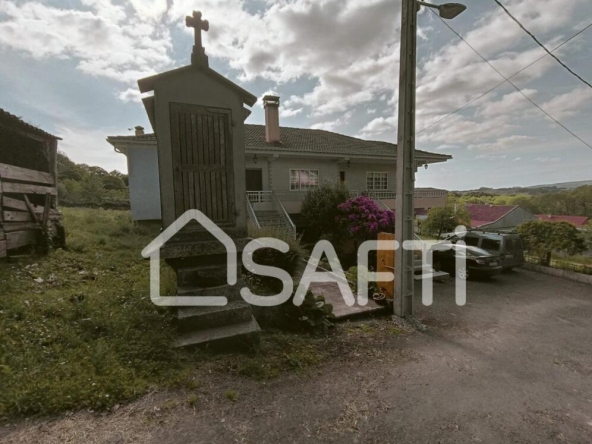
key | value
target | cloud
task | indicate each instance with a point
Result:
(378, 126)
(285, 112)
(88, 145)
(509, 103)
(333, 125)
(510, 143)
(570, 103)
(130, 95)
(104, 39)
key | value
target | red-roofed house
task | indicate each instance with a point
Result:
(499, 217)
(578, 221)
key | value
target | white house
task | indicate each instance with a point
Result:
(282, 164)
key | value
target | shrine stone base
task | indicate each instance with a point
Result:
(204, 273)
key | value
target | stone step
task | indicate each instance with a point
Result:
(269, 218)
(435, 275)
(232, 292)
(202, 276)
(201, 318)
(243, 334)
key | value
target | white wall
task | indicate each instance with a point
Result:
(144, 188)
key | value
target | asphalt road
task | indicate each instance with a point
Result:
(512, 366)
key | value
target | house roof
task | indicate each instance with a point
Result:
(311, 141)
(578, 221)
(147, 84)
(304, 140)
(486, 214)
(11, 121)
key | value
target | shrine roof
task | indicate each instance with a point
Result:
(147, 84)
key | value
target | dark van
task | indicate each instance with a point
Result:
(507, 245)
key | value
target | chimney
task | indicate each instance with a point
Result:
(272, 118)
(139, 130)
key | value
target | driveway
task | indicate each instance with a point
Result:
(512, 366)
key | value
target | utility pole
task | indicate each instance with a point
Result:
(404, 207)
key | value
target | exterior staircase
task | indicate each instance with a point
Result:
(264, 209)
(206, 275)
(270, 218)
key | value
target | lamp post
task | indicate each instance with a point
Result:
(404, 208)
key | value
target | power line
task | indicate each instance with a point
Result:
(502, 83)
(541, 45)
(512, 83)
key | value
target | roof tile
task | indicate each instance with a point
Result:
(304, 140)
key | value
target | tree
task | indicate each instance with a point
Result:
(319, 208)
(111, 182)
(542, 238)
(446, 219)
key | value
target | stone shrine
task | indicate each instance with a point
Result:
(198, 118)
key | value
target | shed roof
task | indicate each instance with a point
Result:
(11, 121)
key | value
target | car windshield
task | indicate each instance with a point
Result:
(471, 251)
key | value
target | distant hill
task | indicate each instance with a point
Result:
(565, 185)
(532, 190)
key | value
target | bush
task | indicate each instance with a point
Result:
(542, 238)
(315, 315)
(352, 277)
(269, 256)
(363, 219)
(319, 209)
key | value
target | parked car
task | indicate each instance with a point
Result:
(508, 246)
(478, 262)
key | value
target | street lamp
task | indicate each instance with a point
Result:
(404, 208)
(447, 11)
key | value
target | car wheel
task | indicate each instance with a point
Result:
(462, 273)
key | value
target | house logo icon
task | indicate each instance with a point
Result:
(152, 251)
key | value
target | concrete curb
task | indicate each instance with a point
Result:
(566, 274)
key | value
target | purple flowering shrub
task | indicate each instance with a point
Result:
(363, 218)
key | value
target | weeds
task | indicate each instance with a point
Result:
(231, 395)
(77, 327)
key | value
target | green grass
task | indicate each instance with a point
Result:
(87, 336)
(78, 329)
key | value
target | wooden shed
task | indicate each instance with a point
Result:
(28, 186)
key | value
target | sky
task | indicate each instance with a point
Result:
(71, 67)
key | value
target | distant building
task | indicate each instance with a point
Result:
(578, 221)
(497, 217)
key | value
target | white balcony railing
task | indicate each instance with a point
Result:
(382, 194)
(260, 196)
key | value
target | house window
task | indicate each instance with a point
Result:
(303, 180)
(376, 181)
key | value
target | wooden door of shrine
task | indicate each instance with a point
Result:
(202, 161)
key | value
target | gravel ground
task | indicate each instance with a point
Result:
(514, 365)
